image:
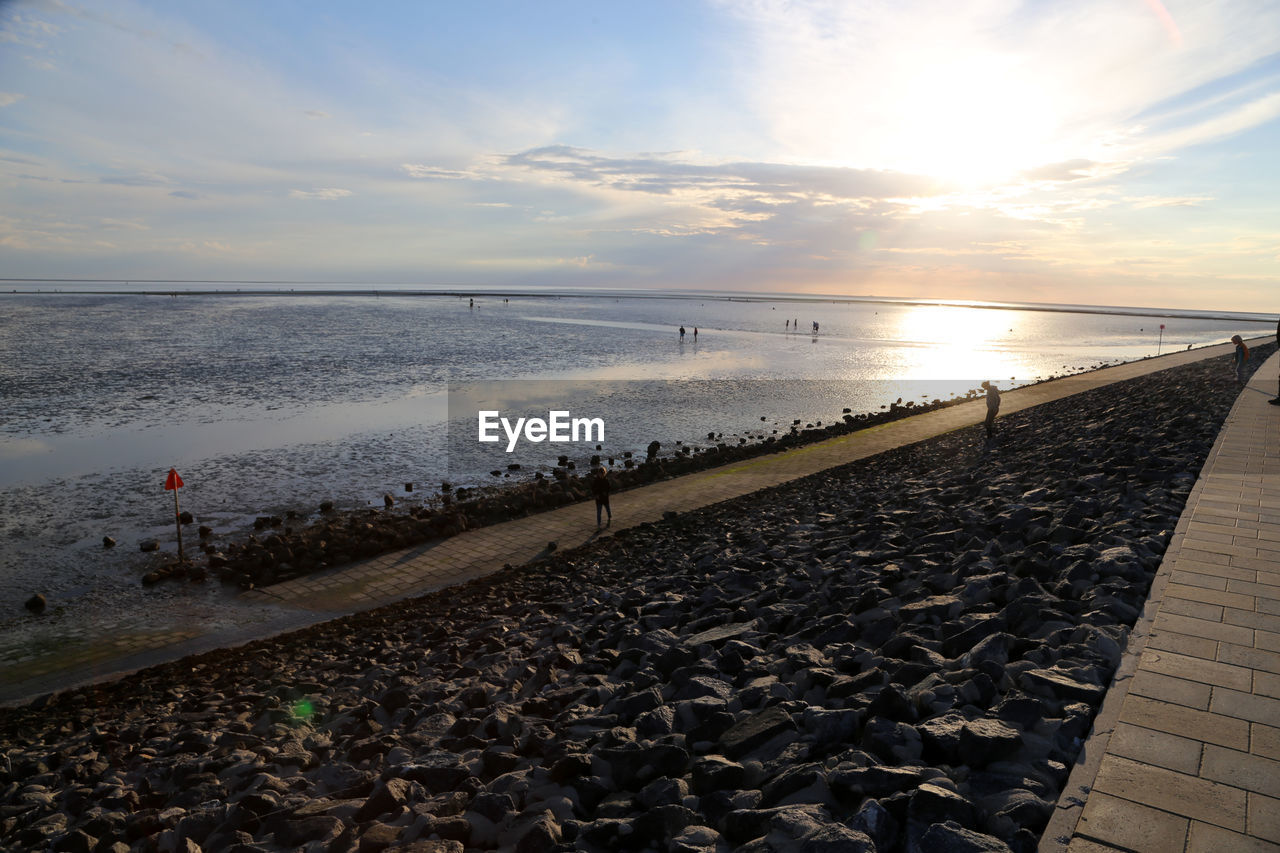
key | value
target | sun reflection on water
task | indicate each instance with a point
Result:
(957, 342)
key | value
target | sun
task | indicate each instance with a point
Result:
(957, 112)
(972, 121)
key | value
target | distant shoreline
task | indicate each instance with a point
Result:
(720, 296)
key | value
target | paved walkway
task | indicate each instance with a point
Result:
(476, 553)
(1185, 753)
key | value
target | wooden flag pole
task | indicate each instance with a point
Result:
(172, 483)
(177, 519)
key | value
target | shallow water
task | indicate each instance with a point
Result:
(269, 403)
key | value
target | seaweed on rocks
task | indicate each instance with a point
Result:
(900, 654)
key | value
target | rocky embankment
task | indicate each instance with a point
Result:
(902, 654)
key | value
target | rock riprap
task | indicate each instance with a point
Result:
(903, 654)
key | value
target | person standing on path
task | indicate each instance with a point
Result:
(1276, 401)
(600, 489)
(993, 406)
(1241, 358)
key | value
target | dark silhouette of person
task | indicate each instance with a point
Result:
(993, 406)
(1241, 358)
(695, 333)
(682, 333)
(1276, 401)
(600, 489)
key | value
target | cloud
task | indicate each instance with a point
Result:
(1069, 170)
(124, 224)
(143, 179)
(205, 247)
(187, 194)
(9, 98)
(422, 171)
(325, 194)
(665, 174)
(317, 114)
(1145, 202)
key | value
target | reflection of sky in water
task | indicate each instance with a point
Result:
(62, 455)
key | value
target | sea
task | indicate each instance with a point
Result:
(269, 398)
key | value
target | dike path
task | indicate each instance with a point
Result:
(421, 569)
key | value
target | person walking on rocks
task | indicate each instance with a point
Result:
(993, 406)
(600, 489)
(1241, 358)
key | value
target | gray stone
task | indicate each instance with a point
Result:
(1050, 682)
(715, 773)
(950, 837)
(754, 730)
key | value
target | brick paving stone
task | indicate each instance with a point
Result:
(1177, 793)
(1167, 688)
(1251, 619)
(1207, 838)
(1197, 669)
(1266, 684)
(1246, 706)
(1204, 628)
(1264, 740)
(1183, 576)
(1131, 826)
(1194, 609)
(1172, 641)
(1264, 818)
(1159, 748)
(1210, 596)
(1248, 657)
(1241, 770)
(1263, 590)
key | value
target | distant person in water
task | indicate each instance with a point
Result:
(682, 333)
(600, 489)
(1276, 401)
(1241, 358)
(695, 333)
(993, 406)
(473, 303)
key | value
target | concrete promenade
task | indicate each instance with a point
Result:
(1185, 753)
(476, 553)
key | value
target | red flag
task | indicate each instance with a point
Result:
(173, 481)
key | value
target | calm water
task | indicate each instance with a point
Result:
(266, 403)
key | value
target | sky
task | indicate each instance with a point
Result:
(1106, 152)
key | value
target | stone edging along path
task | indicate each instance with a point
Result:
(473, 554)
